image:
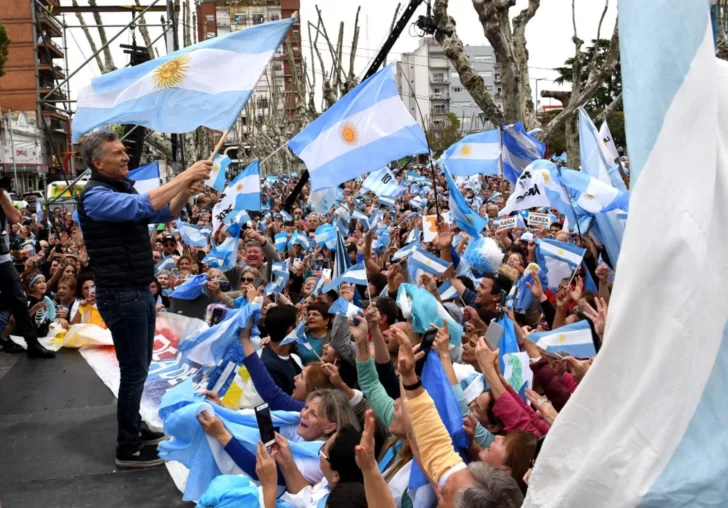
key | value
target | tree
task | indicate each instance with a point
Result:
(4, 45)
(610, 88)
(441, 138)
(508, 39)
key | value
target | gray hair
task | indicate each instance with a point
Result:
(495, 489)
(93, 146)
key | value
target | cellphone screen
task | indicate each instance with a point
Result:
(493, 334)
(265, 424)
(427, 340)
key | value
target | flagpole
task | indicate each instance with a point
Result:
(225, 133)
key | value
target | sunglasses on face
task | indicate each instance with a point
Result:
(248, 279)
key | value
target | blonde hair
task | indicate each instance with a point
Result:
(509, 272)
(334, 405)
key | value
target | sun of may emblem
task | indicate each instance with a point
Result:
(349, 133)
(171, 73)
(466, 150)
(239, 187)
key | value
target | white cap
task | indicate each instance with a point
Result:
(527, 236)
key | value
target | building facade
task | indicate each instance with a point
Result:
(32, 71)
(430, 86)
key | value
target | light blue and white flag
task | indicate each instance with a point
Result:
(204, 84)
(318, 288)
(387, 201)
(243, 193)
(405, 251)
(413, 236)
(667, 314)
(166, 263)
(217, 173)
(300, 239)
(345, 308)
(357, 274)
(475, 154)
(281, 240)
(447, 291)
(287, 217)
(361, 217)
(297, 335)
(191, 288)
(326, 236)
(146, 178)
(574, 339)
(366, 129)
(191, 235)
(341, 260)
(423, 260)
(418, 202)
(382, 242)
(382, 183)
(558, 260)
(341, 220)
(519, 150)
(465, 218)
(322, 200)
(224, 257)
(592, 194)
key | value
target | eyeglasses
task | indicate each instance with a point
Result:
(322, 454)
(248, 279)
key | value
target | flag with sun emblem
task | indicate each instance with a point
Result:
(243, 193)
(475, 154)
(365, 130)
(205, 84)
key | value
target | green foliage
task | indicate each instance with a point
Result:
(441, 138)
(610, 88)
(557, 141)
(4, 46)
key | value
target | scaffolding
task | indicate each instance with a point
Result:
(49, 99)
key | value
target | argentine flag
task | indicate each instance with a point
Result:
(423, 260)
(297, 335)
(646, 427)
(366, 129)
(357, 274)
(281, 240)
(345, 308)
(592, 195)
(361, 217)
(191, 235)
(224, 256)
(405, 251)
(243, 193)
(475, 154)
(382, 183)
(146, 178)
(447, 291)
(325, 236)
(204, 84)
(465, 218)
(519, 150)
(165, 264)
(322, 200)
(574, 339)
(217, 173)
(558, 260)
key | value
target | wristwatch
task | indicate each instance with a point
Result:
(415, 386)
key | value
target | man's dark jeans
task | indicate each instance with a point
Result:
(129, 313)
(14, 299)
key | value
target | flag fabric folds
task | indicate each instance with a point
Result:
(146, 178)
(217, 173)
(190, 289)
(423, 260)
(475, 154)
(357, 274)
(465, 218)
(366, 129)
(281, 240)
(666, 314)
(529, 191)
(574, 339)
(166, 263)
(447, 291)
(345, 308)
(322, 200)
(405, 251)
(297, 335)
(191, 234)
(243, 193)
(591, 194)
(382, 183)
(224, 257)
(175, 92)
(558, 260)
(361, 217)
(519, 150)
(325, 236)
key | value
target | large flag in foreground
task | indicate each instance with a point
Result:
(146, 178)
(646, 427)
(204, 84)
(367, 129)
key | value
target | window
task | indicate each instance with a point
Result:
(243, 120)
(436, 90)
(275, 17)
(210, 17)
(438, 109)
(260, 118)
(485, 74)
(240, 19)
(438, 77)
(278, 67)
(262, 102)
(457, 89)
(296, 49)
(257, 19)
(482, 58)
(296, 33)
(497, 77)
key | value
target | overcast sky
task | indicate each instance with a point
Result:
(548, 34)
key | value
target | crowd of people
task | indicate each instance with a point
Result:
(356, 381)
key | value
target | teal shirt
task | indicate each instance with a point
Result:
(308, 356)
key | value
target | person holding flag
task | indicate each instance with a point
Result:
(114, 219)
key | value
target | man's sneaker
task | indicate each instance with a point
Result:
(146, 457)
(35, 350)
(149, 437)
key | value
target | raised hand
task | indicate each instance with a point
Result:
(598, 317)
(364, 452)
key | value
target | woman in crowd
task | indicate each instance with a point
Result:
(86, 312)
(317, 332)
(161, 302)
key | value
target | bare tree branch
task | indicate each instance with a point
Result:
(91, 42)
(108, 59)
(609, 110)
(521, 54)
(559, 95)
(453, 49)
(595, 48)
(144, 31)
(351, 79)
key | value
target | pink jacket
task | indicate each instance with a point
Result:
(515, 414)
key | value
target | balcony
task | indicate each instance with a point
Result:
(51, 72)
(53, 48)
(49, 24)
(440, 96)
(56, 121)
(440, 79)
(56, 96)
